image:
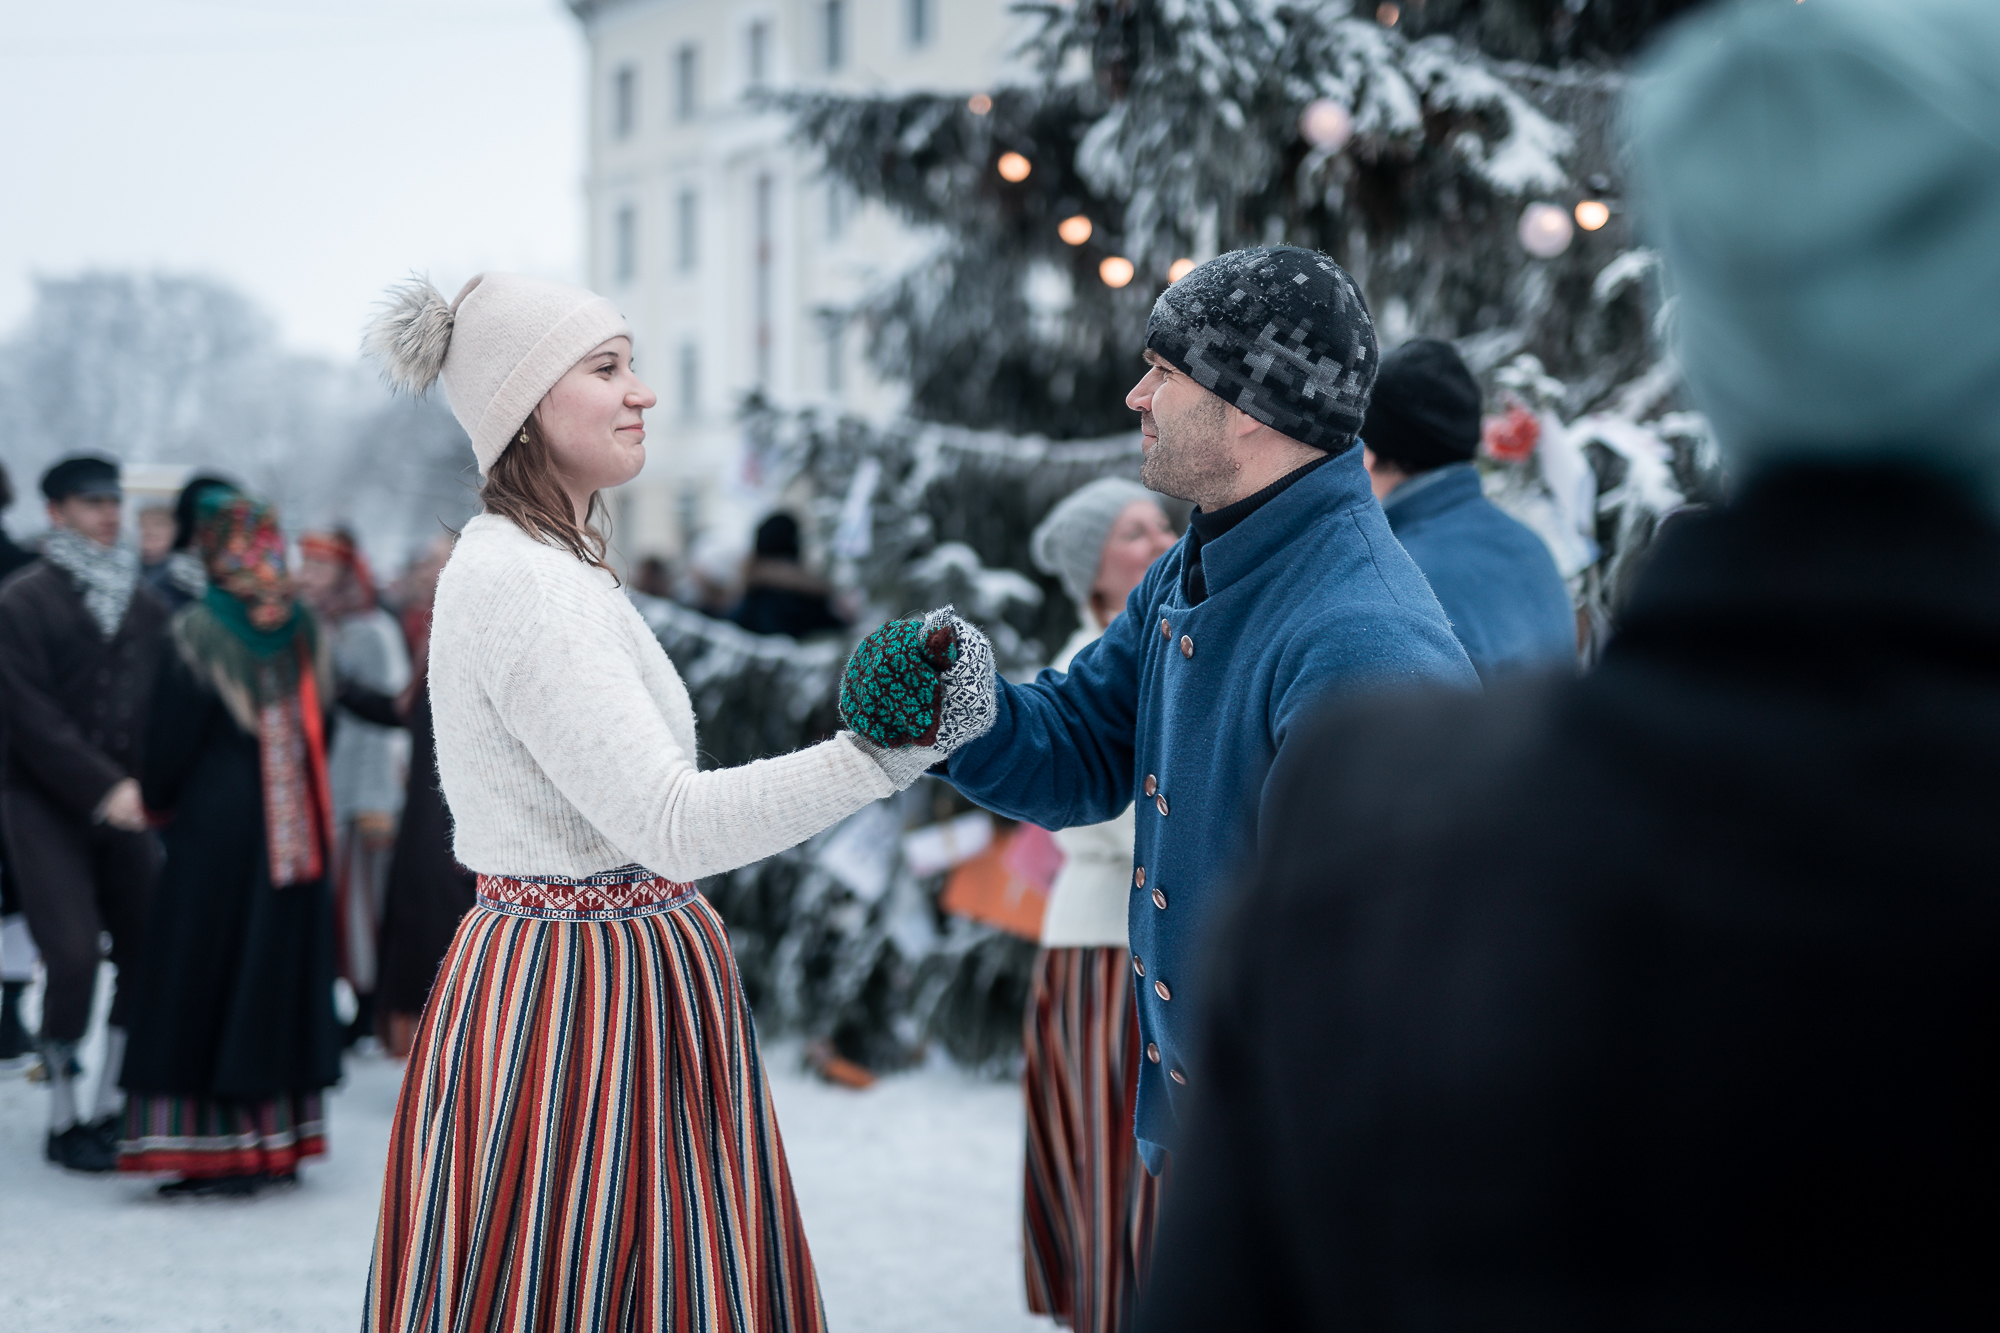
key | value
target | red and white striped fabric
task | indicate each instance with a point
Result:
(1090, 1207)
(585, 1139)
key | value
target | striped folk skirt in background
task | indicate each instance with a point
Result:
(202, 1137)
(1090, 1206)
(585, 1140)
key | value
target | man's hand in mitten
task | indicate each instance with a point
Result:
(916, 690)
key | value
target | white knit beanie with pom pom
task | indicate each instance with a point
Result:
(499, 346)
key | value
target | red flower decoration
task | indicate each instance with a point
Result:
(1512, 436)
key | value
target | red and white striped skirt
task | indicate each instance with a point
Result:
(585, 1139)
(1090, 1207)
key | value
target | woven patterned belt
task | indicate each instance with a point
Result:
(614, 895)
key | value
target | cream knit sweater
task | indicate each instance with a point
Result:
(565, 738)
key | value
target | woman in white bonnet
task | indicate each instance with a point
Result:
(584, 1138)
(1089, 1204)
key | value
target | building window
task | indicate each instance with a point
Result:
(763, 286)
(687, 82)
(625, 244)
(835, 22)
(687, 230)
(839, 207)
(624, 101)
(836, 362)
(760, 54)
(690, 385)
(918, 21)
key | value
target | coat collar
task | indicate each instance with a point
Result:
(1326, 490)
(1429, 494)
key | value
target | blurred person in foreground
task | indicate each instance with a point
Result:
(1495, 578)
(234, 1041)
(17, 947)
(79, 640)
(1664, 998)
(780, 596)
(429, 891)
(180, 577)
(1286, 589)
(1089, 1203)
(366, 760)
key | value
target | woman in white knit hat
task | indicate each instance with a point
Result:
(1089, 1203)
(584, 1138)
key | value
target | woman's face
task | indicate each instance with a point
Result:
(594, 420)
(1139, 536)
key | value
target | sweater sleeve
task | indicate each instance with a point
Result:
(568, 686)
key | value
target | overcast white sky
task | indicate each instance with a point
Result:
(309, 152)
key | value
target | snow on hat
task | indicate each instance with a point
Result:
(499, 345)
(1279, 332)
(1424, 412)
(1823, 181)
(1069, 543)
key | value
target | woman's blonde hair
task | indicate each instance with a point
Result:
(522, 485)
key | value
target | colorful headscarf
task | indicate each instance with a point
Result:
(250, 590)
(356, 593)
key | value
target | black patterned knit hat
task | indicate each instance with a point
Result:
(1281, 333)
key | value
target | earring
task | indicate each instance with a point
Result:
(524, 435)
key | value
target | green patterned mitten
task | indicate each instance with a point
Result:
(893, 690)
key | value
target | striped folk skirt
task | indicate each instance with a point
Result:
(585, 1140)
(203, 1137)
(1090, 1206)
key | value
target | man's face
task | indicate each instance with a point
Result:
(1186, 434)
(156, 534)
(97, 517)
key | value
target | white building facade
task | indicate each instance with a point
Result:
(720, 239)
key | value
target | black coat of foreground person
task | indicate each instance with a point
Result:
(1660, 999)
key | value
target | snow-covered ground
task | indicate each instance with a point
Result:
(911, 1195)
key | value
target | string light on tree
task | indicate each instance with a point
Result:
(1074, 230)
(1181, 268)
(1545, 230)
(979, 104)
(1014, 167)
(1116, 271)
(1326, 124)
(1592, 214)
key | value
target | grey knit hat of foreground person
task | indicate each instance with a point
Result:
(1281, 333)
(1823, 181)
(1069, 543)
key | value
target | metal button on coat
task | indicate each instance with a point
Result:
(1139, 877)
(1152, 784)
(1177, 1076)
(1187, 646)
(1138, 965)
(1152, 1052)
(1161, 802)
(1159, 900)
(1160, 989)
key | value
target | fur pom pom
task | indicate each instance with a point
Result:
(410, 336)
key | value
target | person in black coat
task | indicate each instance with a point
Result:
(79, 637)
(779, 596)
(15, 973)
(235, 1039)
(1665, 998)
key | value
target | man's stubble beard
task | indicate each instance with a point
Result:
(1190, 459)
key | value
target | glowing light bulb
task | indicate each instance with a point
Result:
(1386, 15)
(1074, 231)
(1592, 214)
(1014, 167)
(1326, 124)
(979, 104)
(1545, 230)
(1116, 271)
(1181, 268)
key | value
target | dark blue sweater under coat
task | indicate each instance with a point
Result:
(1309, 597)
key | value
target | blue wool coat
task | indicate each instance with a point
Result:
(1495, 579)
(1184, 709)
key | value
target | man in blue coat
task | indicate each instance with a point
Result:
(1288, 588)
(1494, 577)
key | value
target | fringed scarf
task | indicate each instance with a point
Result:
(106, 575)
(265, 657)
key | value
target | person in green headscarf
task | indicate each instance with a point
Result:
(236, 1038)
